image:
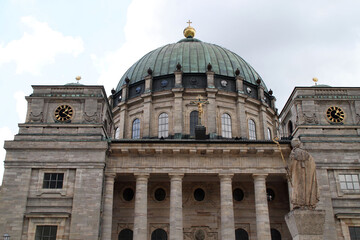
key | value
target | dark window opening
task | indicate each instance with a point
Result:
(159, 234)
(275, 234)
(270, 194)
(45, 233)
(160, 194)
(241, 234)
(194, 115)
(53, 180)
(126, 234)
(128, 194)
(238, 194)
(199, 194)
(354, 233)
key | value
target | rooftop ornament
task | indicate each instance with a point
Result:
(315, 80)
(189, 32)
(78, 78)
(200, 102)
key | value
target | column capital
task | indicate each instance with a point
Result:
(224, 176)
(142, 175)
(110, 175)
(176, 175)
(259, 175)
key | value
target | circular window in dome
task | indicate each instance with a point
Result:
(224, 83)
(138, 89)
(128, 194)
(238, 194)
(270, 194)
(199, 194)
(248, 90)
(164, 83)
(160, 194)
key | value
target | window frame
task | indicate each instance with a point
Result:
(45, 237)
(193, 121)
(252, 132)
(163, 127)
(226, 125)
(351, 193)
(62, 191)
(135, 132)
(48, 183)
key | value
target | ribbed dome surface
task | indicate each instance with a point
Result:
(194, 56)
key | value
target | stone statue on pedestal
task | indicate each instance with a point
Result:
(305, 193)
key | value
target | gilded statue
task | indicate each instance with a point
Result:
(305, 192)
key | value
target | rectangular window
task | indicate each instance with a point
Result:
(53, 180)
(349, 181)
(45, 233)
(354, 233)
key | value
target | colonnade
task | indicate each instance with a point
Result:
(176, 212)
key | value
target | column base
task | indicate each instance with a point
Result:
(306, 224)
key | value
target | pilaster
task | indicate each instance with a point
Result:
(108, 206)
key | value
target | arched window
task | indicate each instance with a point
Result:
(269, 134)
(136, 129)
(226, 125)
(126, 234)
(194, 115)
(252, 130)
(159, 234)
(163, 125)
(241, 234)
(275, 234)
(290, 127)
(117, 133)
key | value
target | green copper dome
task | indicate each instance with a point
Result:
(194, 56)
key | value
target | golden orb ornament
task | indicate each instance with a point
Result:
(315, 80)
(189, 32)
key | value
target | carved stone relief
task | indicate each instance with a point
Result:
(200, 233)
(36, 117)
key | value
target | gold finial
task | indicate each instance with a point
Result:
(78, 78)
(315, 80)
(189, 32)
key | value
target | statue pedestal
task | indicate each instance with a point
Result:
(200, 132)
(306, 224)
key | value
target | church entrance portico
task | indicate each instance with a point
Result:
(198, 206)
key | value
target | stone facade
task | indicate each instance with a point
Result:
(177, 186)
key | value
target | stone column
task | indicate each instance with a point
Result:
(146, 115)
(140, 216)
(261, 207)
(176, 214)
(108, 206)
(227, 208)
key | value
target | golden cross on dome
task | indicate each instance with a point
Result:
(189, 23)
(199, 102)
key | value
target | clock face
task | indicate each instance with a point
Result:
(335, 114)
(63, 113)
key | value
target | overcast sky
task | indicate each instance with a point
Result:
(287, 42)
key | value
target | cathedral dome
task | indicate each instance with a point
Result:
(194, 57)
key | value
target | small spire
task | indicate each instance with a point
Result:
(315, 80)
(189, 32)
(78, 78)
